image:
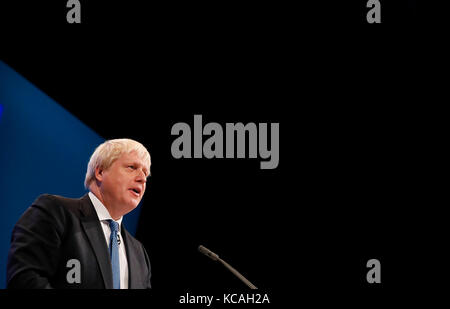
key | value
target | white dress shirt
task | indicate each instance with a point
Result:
(104, 216)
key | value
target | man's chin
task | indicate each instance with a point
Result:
(132, 205)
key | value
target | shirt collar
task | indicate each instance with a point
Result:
(101, 210)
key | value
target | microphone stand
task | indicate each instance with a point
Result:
(215, 257)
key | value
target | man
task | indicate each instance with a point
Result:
(81, 243)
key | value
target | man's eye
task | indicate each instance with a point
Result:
(131, 166)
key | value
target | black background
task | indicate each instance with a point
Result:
(349, 186)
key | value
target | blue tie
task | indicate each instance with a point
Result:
(114, 253)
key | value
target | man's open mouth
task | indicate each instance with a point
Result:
(136, 191)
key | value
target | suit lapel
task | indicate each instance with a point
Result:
(94, 232)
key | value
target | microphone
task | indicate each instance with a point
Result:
(215, 257)
(208, 253)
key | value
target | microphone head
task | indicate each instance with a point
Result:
(208, 253)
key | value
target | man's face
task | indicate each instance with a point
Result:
(123, 183)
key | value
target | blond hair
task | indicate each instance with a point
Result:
(108, 152)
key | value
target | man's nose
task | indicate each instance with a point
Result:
(141, 177)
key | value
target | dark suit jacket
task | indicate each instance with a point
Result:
(55, 230)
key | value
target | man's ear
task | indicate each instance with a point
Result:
(99, 173)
